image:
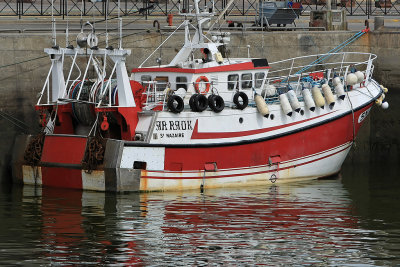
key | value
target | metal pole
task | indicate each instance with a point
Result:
(351, 7)
(385, 8)
(21, 7)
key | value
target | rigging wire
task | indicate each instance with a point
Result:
(334, 50)
(16, 122)
(331, 52)
(21, 62)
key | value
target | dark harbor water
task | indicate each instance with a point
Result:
(352, 220)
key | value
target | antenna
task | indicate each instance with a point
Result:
(120, 24)
(67, 30)
(107, 24)
(53, 25)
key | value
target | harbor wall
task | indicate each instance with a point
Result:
(24, 67)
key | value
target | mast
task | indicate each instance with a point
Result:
(198, 40)
(198, 20)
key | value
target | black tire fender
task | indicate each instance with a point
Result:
(244, 98)
(191, 102)
(200, 102)
(175, 104)
(216, 103)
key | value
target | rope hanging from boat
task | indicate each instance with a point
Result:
(335, 50)
(352, 113)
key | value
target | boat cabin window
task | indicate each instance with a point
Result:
(259, 77)
(247, 80)
(141, 165)
(233, 81)
(181, 82)
(145, 79)
(162, 82)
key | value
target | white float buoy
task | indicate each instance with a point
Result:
(351, 79)
(336, 81)
(308, 99)
(287, 109)
(294, 102)
(318, 98)
(181, 92)
(360, 76)
(262, 107)
(339, 89)
(268, 90)
(330, 99)
(385, 105)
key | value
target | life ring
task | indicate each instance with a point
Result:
(175, 103)
(205, 80)
(198, 102)
(216, 103)
(242, 102)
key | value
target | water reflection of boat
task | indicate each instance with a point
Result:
(195, 123)
(296, 221)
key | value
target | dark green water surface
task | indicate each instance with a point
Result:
(352, 220)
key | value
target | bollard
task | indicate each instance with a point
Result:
(169, 19)
(379, 22)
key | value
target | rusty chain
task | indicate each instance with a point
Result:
(94, 153)
(33, 151)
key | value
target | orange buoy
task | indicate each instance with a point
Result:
(104, 125)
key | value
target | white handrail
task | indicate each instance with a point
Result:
(74, 81)
(46, 84)
(107, 85)
(69, 74)
(84, 75)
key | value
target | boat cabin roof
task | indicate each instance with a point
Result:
(200, 67)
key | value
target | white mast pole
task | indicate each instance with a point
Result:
(197, 10)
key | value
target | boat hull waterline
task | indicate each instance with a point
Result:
(313, 151)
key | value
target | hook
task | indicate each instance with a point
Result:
(158, 25)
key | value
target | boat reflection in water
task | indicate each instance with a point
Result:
(309, 223)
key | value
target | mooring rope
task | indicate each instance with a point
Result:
(352, 113)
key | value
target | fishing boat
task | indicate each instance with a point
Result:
(203, 120)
